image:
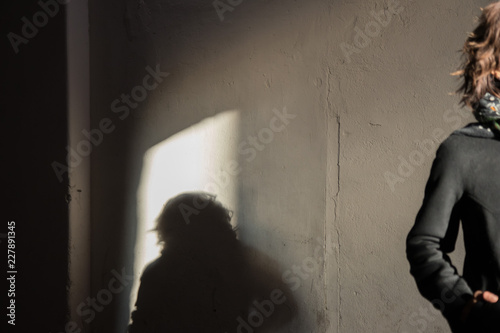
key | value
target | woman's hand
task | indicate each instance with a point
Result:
(479, 295)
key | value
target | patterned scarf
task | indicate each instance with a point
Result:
(487, 112)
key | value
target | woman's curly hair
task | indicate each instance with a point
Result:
(481, 56)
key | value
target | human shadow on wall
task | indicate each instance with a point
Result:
(206, 280)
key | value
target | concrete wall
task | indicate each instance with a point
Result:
(332, 193)
(77, 27)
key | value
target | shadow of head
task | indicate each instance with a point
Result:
(205, 280)
(194, 220)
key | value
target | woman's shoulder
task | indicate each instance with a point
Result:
(471, 135)
(474, 130)
(467, 142)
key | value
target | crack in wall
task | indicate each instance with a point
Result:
(337, 195)
(335, 198)
(325, 229)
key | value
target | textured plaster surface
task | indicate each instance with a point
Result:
(347, 173)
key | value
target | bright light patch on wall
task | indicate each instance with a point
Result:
(200, 158)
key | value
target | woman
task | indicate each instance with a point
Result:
(464, 185)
